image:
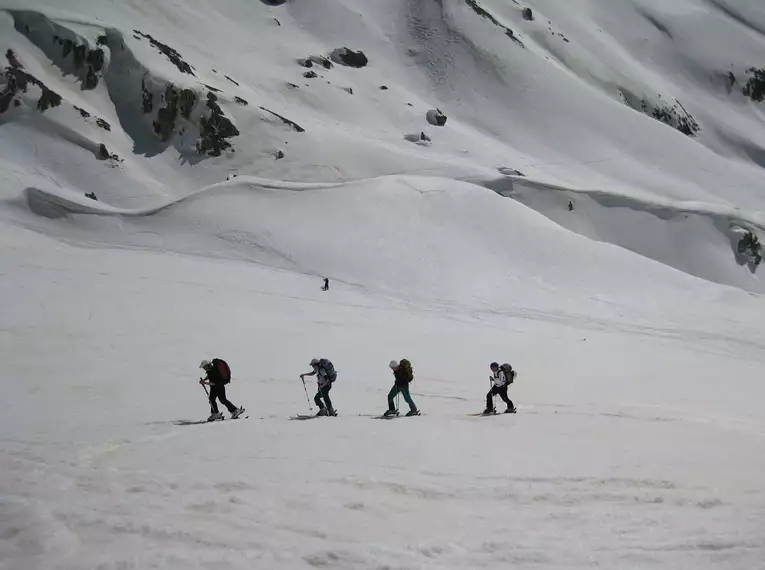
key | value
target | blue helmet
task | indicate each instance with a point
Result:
(493, 365)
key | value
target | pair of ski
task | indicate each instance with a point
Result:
(301, 417)
(200, 422)
(494, 413)
(391, 416)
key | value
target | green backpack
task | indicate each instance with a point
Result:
(407, 373)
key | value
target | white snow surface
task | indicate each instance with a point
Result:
(637, 332)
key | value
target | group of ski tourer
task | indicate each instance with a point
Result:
(218, 375)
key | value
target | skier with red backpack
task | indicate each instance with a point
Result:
(500, 380)
(218, 374)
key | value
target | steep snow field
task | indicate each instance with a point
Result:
(554, 222)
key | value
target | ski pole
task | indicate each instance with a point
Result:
(310, 409)
(397, 395)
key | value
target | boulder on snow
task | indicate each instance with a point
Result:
(418, 138)
(528, 14)
(315, 59)
(310, 74)
(436, 117)
(348, 57)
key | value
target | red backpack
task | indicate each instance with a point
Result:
(223, 370)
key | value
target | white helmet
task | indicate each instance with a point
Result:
(205, 365)
(393, 364)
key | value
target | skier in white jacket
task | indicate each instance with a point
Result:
(499, 385)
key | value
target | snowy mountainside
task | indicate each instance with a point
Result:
(571, 187)
(156, 103)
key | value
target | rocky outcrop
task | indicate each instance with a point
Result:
(755, 87)
(348, 57)
(436, 118)
(14, 82)
(215, 129)
(171, 54)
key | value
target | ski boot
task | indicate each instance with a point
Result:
(215, 417)
(489, 411)
(510, 410)
(411, 413)
(236, 413)
(389, 413)
(322, 412)
(331, 412)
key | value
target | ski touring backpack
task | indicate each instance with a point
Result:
(510, 374)
(408, 373)
(329, 369)
(223, 370)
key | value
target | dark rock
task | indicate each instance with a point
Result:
(348, 90)
(186, 102)
(102, 40)
(436, 118)
(92, 195)
(292, 86)
(147, 98)
(103, 152)
(528, 14)
(231, 80)
(306, 63)
(241, 101)
(273, 2)
(13, 60)
(211, 88)
(349, 58)
(103, 124)
(215, 130)
(292, 124)
(478, 9)
(278, 23)
(755, 87)
(83, 113)
(48, 99)
(96, 59)
(169, 53)
(383, 87)
(91, 79)
(310, 74)
(279, 154)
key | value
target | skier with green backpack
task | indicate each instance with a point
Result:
(404, 375)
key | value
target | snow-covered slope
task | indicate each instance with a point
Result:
(579, 214)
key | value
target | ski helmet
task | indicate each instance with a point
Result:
(205, 365)
(314, 361)
(393, 364)
(493, 365)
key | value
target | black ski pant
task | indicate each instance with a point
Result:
(218, 391)
(323, 393)
(502, 391)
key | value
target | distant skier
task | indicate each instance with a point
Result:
(218, 374)
(570, 206)
(403, 374)
(499, 385)
(326, 285)
(325, 373)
